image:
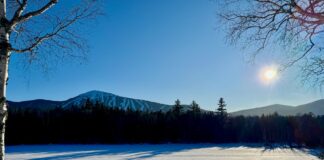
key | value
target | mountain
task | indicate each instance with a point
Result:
(316, 107)
(38, 103)
(112, 100)
(107, 99)
(282, 109)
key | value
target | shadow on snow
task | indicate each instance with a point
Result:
(141, 151)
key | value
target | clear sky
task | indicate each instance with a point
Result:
(161, 50)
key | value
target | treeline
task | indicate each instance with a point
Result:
(96, 123)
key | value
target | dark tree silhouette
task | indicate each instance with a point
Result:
(177, 108)
(221, 110)
(99, 124)
(195, 107)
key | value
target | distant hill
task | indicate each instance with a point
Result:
(38, 103)
(105, 98)
(316, 107)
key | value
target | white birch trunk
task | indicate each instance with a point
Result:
(4, 58)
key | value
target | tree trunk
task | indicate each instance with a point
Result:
(4, 58)
(3, 104)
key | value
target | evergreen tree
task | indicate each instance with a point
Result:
(195, 107)
(221, 110)
(106, 124)
(177, 108)
(88, 104)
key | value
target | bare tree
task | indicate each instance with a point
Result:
(296, 26)
(36, 28)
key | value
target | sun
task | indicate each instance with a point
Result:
(269, 74)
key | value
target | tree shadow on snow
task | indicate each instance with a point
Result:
(60, 152)
(128, 152)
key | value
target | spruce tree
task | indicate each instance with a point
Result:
(177, 108)
(221, 110)
(195, 107)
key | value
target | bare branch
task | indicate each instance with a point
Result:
(38, 40)
(20, 10)
(18, 18)
(296, 25)
(291, 63)
(55, 34)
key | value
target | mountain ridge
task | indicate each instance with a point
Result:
(108, 99)
(113, 100)
(315, 107)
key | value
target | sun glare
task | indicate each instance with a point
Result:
(269, 74)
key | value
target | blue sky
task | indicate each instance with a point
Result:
(161, 50)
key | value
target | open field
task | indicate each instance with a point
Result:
(157, 152)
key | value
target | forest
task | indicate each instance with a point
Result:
(94, 123)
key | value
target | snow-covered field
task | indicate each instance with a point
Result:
(157, 152)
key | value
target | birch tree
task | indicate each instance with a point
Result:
(294, 26)
(35, 28)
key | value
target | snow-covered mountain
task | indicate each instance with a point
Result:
(107, 99)
(112, 100)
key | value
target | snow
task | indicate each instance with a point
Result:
(112, 101)
(157, 152)
(108, 99)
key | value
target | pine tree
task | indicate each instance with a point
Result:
(195, 107)
(221, 110)
(177, 108)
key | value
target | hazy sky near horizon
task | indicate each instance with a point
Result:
(162, 50)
